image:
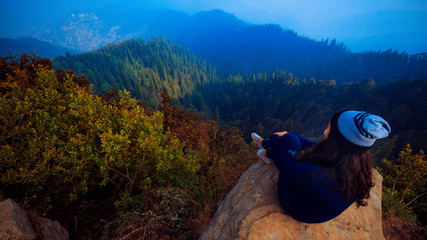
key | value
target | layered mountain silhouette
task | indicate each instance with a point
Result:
(234, 46)
(31, 45)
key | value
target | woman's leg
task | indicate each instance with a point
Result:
(291, 142)
(284, 192)
(265, 143)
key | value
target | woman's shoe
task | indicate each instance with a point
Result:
(266, 159)
(255, 138)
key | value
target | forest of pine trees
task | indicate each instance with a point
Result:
(143, 68)
(262, 102)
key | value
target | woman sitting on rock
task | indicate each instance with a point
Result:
(318, 181)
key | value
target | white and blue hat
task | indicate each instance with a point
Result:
(357, 131)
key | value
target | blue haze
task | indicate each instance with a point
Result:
(360, 24)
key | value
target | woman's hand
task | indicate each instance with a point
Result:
(281, 133)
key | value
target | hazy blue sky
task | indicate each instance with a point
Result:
(318, 18)
(358, 23)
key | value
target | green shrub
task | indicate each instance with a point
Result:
(394, 206)
(65, 151)
(59, 141)
(405, 183)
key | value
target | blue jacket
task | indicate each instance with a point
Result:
(304, 191)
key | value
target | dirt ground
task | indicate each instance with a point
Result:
(395, 228)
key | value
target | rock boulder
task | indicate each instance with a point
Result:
(251, 211)
(14, 222)
(52, 230)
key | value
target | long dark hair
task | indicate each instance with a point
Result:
(353, 171)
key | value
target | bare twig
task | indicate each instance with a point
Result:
(117, 185)
(403, 195)
(75, 226)
(114, 170)
(3, 136)
(415, 199)
(394, 184)
(134, 231)
(14, 135)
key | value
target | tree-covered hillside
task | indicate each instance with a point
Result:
(234, 46)
(238, 47)
(143, 68)
(259, 102)
(269, 103)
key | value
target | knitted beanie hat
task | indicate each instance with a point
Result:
(357, 131)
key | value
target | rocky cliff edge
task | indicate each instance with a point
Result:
(251, 211)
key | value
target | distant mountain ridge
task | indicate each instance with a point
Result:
(29, 46)
(234, 46)
(84, 32)
(400, 36)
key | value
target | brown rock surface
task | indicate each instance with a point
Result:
(53, 230)
(14, 222)
(251, 211)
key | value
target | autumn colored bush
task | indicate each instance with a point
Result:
(59, 141)
(224, 153)
(65, 151)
